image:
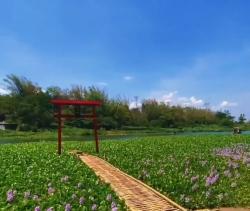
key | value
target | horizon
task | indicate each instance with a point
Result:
(173, 51)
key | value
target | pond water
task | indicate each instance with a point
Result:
(120, 137)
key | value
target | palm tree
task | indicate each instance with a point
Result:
(21, 86)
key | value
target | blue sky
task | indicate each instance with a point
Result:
(177, 51)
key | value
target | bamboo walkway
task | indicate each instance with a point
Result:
(137, 195)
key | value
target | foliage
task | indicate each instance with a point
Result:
(21, 86)
(33, 175)
(28, 106)
(197, 172)
(242, 119)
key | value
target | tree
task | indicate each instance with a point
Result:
(242, 119)
(151, 109)
(28, 106)
(76, 92)
(56, 92)
(225, 118)
(20, 86)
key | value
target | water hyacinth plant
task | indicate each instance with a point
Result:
(68, 207)
(195, 171)
(34, 177)
(37, 208)
(10, 196)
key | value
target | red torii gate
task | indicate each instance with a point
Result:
(59, 103)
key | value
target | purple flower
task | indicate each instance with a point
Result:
(11, 195)
(113, 204)
(65, 179)
(232, 164)
(210, 180)
(68, 207)
(236, 157)
(37, 208)
(114, 208)
(81, 200)
(246, 160)
(94, 207)
(50, 209)
(51, 191)
(27, 194)
(236, 153)
(109, 197)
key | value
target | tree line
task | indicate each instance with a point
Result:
(28, 106)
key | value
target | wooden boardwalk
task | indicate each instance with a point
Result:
(137, 195)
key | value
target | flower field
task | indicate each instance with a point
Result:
(196, 172)
(34, 177)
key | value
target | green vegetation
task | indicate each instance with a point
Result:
(33, 175)
(197, 172)
(80, 134)
(27, 106)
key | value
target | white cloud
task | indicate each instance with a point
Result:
(3, 91)
(227, 104)
(102, 83)
(172, 98)
(190, 102)
(135, 104)
(169, 97)
(224, 105)
(128, 78)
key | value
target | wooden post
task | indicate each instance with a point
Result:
(95, 130)
(59, 130)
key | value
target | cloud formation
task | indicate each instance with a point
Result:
(191, 102)
(172, 98)
(3, 91)
(227, 104)
(128, 78)
(135, 104)
(101, 83)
